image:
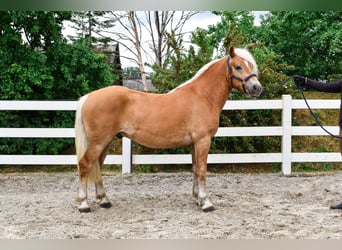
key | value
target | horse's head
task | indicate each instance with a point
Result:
(243, 72)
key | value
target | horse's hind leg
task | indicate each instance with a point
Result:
(89, 170)
(85, 166)
(101, 196)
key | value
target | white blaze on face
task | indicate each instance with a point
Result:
(246, 55)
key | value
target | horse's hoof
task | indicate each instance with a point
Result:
(208, 209)
(84, 210)
(338, 206)
(106, 205)
(207, 206)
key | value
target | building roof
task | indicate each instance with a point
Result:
(137, 84)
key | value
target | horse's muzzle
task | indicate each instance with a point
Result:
(253, 88)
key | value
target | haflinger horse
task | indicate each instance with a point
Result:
(186, 116)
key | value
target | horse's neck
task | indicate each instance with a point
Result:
(213, 85)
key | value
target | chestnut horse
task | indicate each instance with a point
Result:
(186, 116)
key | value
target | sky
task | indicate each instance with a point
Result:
(206, 18)
(202, 20)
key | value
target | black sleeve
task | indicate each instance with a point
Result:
(333, 87)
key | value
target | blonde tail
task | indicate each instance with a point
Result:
(81, 141)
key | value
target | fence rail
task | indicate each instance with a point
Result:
(126, 159)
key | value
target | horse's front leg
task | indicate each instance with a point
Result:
(195, 182)
(201, 156)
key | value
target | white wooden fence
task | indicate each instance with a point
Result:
(286, 131)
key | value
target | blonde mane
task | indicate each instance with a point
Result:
(243, 53)
(246, 55)
(200, 72)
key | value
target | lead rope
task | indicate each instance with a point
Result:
(276, 87)
(318, 122)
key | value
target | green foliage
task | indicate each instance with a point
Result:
(181, 64)
(311, 41)
(44, 67)
(271, 70)
(89, 23)
(78, 69)
(236, 28)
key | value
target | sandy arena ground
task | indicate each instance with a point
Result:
(248, 206)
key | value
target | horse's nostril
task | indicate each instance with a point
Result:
(256, 87)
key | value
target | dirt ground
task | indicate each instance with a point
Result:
(248, 206)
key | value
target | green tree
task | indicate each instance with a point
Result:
(181, 64)
(37, 63)
(90, 24)
(235, 27)
(311, 41)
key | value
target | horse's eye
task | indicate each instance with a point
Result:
(238, 68)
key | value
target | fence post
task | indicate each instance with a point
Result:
(286, 142)
(126, 156)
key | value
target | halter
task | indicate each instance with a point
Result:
(230, 71)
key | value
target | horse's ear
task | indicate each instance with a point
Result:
(232, 51)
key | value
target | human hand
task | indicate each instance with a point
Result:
(300, 81)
